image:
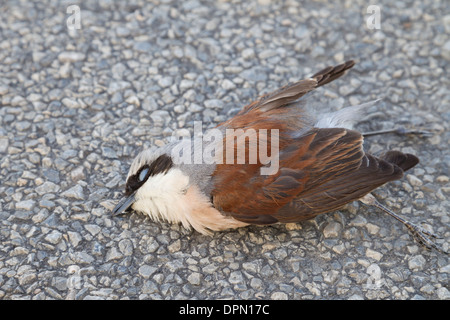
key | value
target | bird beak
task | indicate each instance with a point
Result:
(124, 204)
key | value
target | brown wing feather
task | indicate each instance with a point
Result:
(240, 189)
(334, 193)
(332, 73)
(321, 169)
(327, 170)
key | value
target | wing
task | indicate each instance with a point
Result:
(271, 111)
(295, 91)
(320, 169)
(334, 193)
(319, 172)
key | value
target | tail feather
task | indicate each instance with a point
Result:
(404, 160)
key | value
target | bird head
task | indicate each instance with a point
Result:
(154, 184)
(164, 188)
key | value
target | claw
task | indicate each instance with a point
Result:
(403, 131)
(400, 131)
(416, 228)
(423, 236)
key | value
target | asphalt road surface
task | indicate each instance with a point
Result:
(80, 96)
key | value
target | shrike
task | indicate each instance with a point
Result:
(322, 166)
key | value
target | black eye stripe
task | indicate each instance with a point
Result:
(162, 164)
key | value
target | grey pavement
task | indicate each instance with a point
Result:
(76, 106)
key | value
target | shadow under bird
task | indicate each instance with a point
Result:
(322, 167)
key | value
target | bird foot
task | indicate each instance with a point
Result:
(423, 236)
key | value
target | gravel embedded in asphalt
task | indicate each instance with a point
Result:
(76, 106)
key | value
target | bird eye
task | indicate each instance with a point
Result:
(143, 174)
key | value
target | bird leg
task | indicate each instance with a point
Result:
(399, 131)
(422, 236)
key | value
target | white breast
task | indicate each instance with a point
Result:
(161, 197)
(170, 197)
